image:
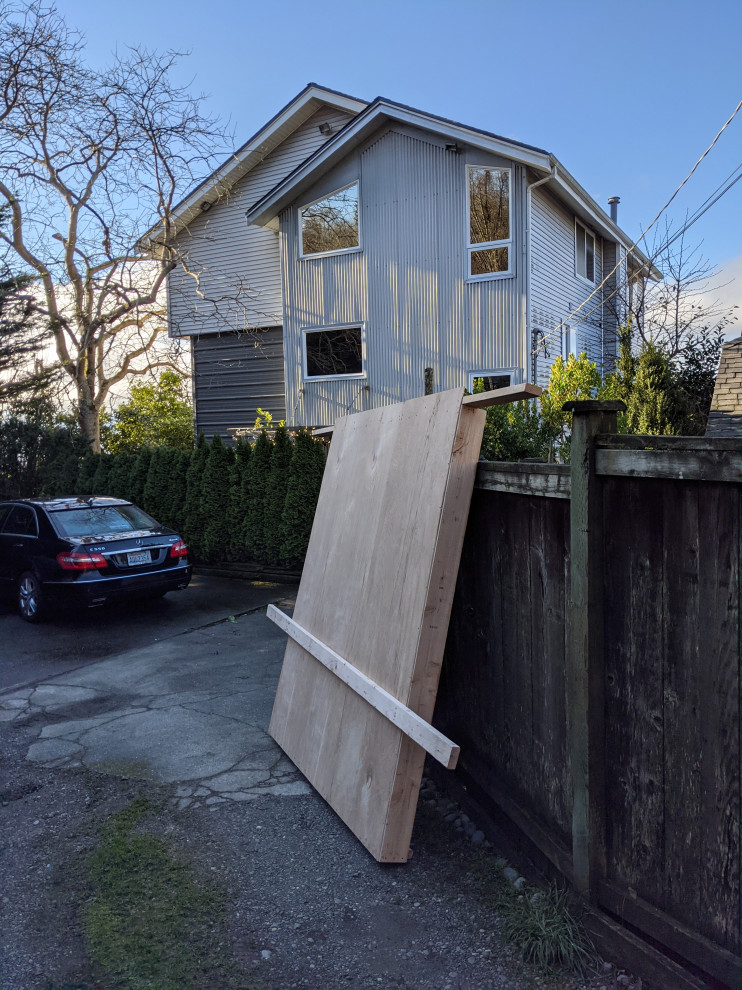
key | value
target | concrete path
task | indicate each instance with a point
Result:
(192, 710)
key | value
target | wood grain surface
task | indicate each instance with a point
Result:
(377, 589)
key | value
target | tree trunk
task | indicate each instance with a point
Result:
(89, 419)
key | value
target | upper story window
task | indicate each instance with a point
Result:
(330, 224)
(584, 252)
(490, 231)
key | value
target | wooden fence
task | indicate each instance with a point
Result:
(592, 677)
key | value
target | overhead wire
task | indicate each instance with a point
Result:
(643, 234)
(705, 206)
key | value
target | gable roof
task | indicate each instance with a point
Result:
(265, 212)
(256, 148)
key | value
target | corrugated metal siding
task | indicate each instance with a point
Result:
(233, 374)
(239, 266)
(407, 285)
(555, 289)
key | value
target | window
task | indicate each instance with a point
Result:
(499, 378)
(334, 353)
(330, 225)
(570, 343)
(489, 222)
(21, 521)
(584, 252)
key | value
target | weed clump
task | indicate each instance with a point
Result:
(544, 928)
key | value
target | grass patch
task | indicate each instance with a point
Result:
(543, 926)
(150, 923)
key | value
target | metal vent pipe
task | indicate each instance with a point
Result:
(614, 201)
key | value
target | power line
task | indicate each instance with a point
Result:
(705, 206)
(646, 230)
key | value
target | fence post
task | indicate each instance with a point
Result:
(585, 660)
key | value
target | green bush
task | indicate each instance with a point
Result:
(120, 477)
(193, 524)
(237, 510)
(156, 495)
(305, 479)
(275, 494)
(215, 501)
(86, 475)
(257, 474)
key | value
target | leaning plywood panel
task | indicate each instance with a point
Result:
(376, 589)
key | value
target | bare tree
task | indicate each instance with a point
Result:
(679, 313)
(90, 160)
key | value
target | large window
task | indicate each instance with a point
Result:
(490, 238)
(334, 353)
(584, 252)
(330, 224)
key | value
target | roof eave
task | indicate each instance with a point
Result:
(577, 196)
(265, 212)
(251, 153)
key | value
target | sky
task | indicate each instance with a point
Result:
(626, 95)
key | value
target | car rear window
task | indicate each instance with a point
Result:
(102, 520)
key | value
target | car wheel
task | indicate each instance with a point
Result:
(30, 597)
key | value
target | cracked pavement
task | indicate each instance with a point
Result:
(192, 710)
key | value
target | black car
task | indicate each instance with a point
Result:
(85, 551)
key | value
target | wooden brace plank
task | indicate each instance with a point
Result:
(420, 731)
(500, 396)
(692, 465)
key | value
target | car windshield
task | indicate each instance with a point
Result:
(102, 520)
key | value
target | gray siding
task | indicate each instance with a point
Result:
(556, 290)
(407, 285)
(233, 374)
(235, 280)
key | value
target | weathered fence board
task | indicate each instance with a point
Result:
(504, 690)
(671, 679)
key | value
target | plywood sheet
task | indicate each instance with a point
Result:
(377, 588)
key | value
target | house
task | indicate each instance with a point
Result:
(725, 417)
(353, 254)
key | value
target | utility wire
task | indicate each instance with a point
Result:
(705, 206)
(646, 230)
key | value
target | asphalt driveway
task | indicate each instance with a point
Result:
(72, 639)
(183, 721)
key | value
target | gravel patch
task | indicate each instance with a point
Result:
(307, 906)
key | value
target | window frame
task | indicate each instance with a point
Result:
(13, 532)
(514, 374)
(305, 377)
(319, 199)
(487, 245)
(587, 233)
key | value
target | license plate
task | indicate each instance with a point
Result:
(143, 557)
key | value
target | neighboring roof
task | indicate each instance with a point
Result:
(262, 143)
(356, 131)
(725, 418)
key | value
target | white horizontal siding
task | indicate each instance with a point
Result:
(555, 289)
(235, 269)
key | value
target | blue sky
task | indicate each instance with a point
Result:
(626, 95)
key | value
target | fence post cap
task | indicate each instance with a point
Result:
(594, 406)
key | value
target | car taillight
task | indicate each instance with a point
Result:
(77, 560)
(179, 549)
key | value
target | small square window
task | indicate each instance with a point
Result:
(584, 252)
(330, 224)
(335, 353)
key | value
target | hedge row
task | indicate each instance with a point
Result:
(242, 503)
